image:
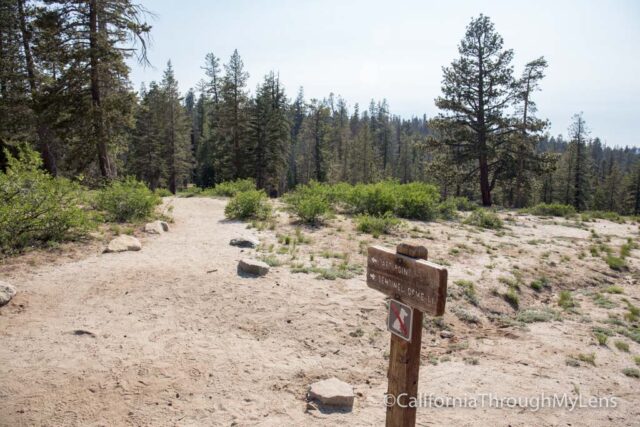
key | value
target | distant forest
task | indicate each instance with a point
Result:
(65, 91)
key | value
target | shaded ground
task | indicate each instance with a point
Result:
(176, 337)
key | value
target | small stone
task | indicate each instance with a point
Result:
(446, 334)
(6, 293)
(332, 392)
(155, 227)
(164, 225)
(253, 267)
(244, 242)
(124, 243)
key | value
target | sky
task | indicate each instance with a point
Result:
(395, 49)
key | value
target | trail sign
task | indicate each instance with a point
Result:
(415, 282)
(415, 285)
(400, 320)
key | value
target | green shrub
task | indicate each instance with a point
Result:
(616, 263)
(464, 204)
(484, 219)
(231, 188)
(448, 209)
(611, 216)
(622, 346)
(248, 204)
(566, 301)
(415, 200)
(309, 202)
(35, 207)
(631, 372)
(127, 200)
(468, 291)
(540, 283)
(602, 338)
(511, 297)
(377, 225)
(372, 199)
(552, 209)
(163, 192)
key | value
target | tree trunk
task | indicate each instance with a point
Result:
(106, 168)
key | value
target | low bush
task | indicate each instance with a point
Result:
(415, 200)
(552, 209)
(463, 204)
(448, 209)
(372, 199)
(377, 225)
(310, 203)
(127, 201)
(231, 188)
(566, 301)
(251, 204)
(36, 208)
(611, 216)
(616, 263)
(163, 192)
(484, 219)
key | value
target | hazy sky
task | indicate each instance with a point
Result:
(395, 49)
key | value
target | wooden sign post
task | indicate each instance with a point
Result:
(407, 277)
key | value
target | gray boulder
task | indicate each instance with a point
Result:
(124, 243)
(6, 293)
(244, 242)
(156, 227)
(253, 267)
(332, 392)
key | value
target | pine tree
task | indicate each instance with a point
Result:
(476, 90)
(580, 171)
(176, 133)
(297, 114)
(270, 134)
(232, 133)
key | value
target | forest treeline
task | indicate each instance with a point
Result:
(65, 90)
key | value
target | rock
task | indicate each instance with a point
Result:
(332, 392)
(164, 225)
(124, 243)
(446, 334)
(155, 227)
(250, 266)
(244, 242)
(6, 293)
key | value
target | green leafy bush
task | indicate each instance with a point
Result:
(372, 199)
(163, 192)
(377, 225)
(552, 209)
(35, 207)
(248, 204)
(416, 200)
(448, 209)
(463, 204)
(127, 200)
(309, 202)
(231, 188)
(484, 219)
(611, 216)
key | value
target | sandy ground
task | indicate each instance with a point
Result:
(178, 338)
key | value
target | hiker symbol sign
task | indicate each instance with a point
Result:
(400, 319)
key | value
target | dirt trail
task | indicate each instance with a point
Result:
(176, 337)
